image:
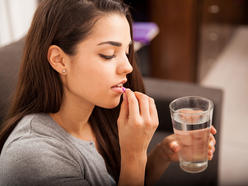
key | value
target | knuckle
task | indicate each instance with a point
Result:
(137, 122)
(139, 125)
(149, 123)
(151, 100)
(156, 124)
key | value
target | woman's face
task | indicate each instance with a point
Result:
(97, 72)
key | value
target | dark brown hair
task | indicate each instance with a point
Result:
(66, 23)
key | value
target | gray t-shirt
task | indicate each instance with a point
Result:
(41, 152)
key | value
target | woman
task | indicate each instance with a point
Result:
(71, 121)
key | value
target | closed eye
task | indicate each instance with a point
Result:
(107, 57)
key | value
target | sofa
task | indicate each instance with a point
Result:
(163, 91)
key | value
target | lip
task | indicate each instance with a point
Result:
(118, 87)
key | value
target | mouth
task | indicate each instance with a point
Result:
(119, 87)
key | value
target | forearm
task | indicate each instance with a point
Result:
(157, 163)
(132, 171)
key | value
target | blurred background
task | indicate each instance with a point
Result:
(201, 42)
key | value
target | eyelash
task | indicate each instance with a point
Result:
(107, 57)
(111, 57)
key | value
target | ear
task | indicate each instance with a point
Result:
(56, 58)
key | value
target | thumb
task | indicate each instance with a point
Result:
(170, 144)
(174, 147)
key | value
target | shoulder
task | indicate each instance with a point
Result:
(33, 148)
(40, 152)
(36, 159)
(32, 127)
(35, 140)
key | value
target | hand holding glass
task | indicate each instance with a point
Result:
(192, 119)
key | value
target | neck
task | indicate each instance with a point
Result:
(74, 118)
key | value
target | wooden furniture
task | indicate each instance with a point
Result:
(192, 35)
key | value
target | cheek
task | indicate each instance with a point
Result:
(82, 79)
(93, 84)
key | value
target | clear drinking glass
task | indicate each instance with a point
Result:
(192, 119)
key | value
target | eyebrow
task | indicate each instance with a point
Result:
(114, 43)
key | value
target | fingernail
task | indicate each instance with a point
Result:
(210, 152)
(174, 148)
(210, 158)
(124, 89)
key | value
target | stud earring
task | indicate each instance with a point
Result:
(63, 71)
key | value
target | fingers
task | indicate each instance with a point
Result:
(170, 144)
(124, 112)
(211, 147)
(153, 109)
(213, 130)
(212, 142)
(144, 103)
(147, 104)
(174, 147)
(170, 148)
(133, 104)
(137, 123)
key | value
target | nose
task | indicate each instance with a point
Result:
(124, 66)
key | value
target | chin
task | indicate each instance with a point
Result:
(111, 104)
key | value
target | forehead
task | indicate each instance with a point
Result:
(111, 27)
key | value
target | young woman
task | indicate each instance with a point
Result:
(71, 121)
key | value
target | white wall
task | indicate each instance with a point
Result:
(15, 19)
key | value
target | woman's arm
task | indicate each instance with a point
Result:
(137, 123)
(160, 157)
